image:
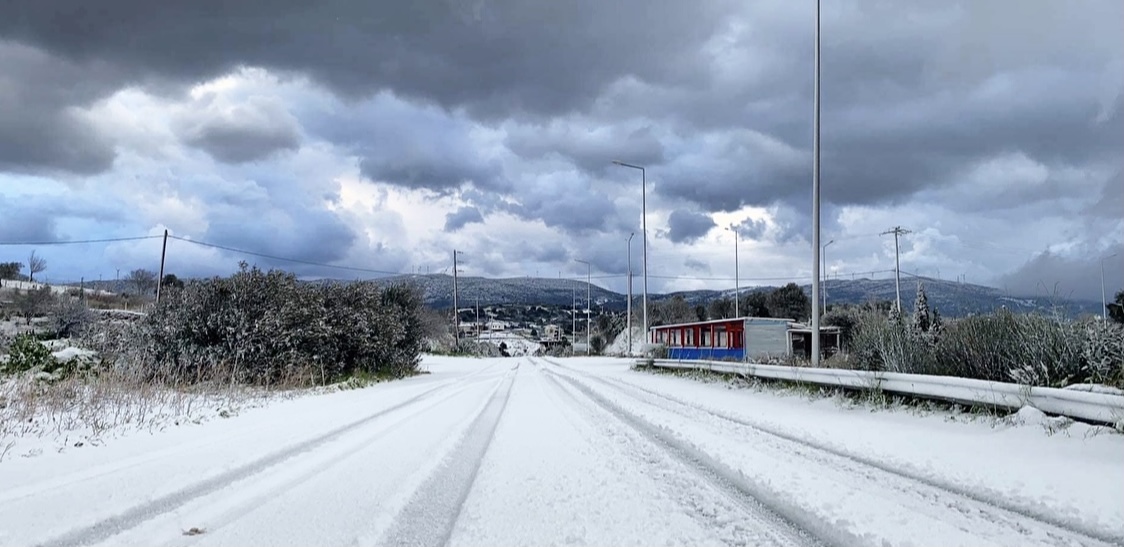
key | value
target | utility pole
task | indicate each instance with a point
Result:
(1104, 302)
(456, 315)
(628, 316)
(588, 302)
(573, 316)
(478, 317)
(898, 231)
(163, 255)
(737, 282)
(825, 246)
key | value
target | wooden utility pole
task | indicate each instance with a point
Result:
(898, 231)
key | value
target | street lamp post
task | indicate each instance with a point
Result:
(588, 302)
(824, 253)
(816, 197)
(643, 234)
(1104, 302)
(737, 281)
(628, 313)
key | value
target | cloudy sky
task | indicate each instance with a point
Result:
(382, 135)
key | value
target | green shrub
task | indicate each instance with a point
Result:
(267, 328)
(1034, 350)
(27, 353)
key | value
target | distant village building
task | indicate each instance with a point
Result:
(552, 333)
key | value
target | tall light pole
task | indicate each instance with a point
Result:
(824, 253)
(737, 281)
(643, 232)
(816, 198)
(628, 313)
(1104, 302)
(588, 302)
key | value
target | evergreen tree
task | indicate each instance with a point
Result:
(921, 319)
(895, 316)
(1116, 308)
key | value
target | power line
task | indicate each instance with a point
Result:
(79, 241)
(285, 259)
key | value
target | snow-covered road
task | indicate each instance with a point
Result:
(528, 451)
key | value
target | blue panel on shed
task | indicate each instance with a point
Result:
(716, 354)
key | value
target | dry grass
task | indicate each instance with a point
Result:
(91, 407)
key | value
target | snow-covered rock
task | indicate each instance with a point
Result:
(68, 354)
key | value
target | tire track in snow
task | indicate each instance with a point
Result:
(431, 514)
(111, 526)
(796, 524)
(825, 454)
(242, 498)
(699, 493)
(171, 452)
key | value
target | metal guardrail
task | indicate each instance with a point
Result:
(1083, 405)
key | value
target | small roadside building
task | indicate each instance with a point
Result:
(740, 339)
(735, 339)
(800, 340)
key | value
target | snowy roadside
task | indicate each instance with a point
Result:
(38, 417)
(1048, 465)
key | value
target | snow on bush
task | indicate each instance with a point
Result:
(268, 328)
(1003, 346)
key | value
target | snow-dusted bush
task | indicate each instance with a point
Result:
(68, 316)
(1002, 346)
(892, 345)
(1103, 352)
(268, 328)
(27, 353)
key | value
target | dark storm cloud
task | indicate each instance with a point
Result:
(245, 132)
(696, 265)
(408, 145)
(316, 236)
(495, 57)
(751, 228)
(38, 130)
(458, 219)
(566, 203)
(723, 172)
(26, 224)
(591, 148)
(1068, 276)
(36, 218)
(687, 227)
(909, 97)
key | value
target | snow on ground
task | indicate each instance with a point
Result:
(620, 343)
(580, 451)
(516, 345)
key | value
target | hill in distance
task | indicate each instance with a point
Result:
(951, 298)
